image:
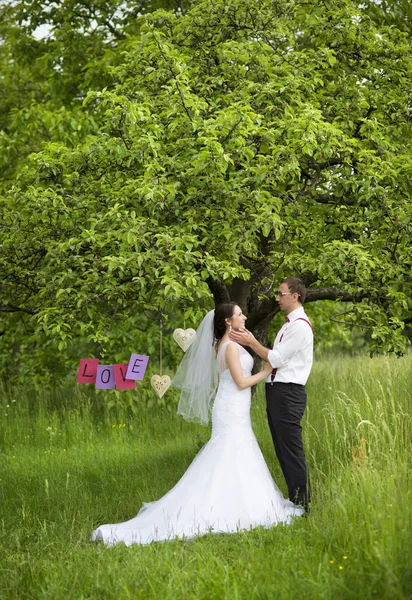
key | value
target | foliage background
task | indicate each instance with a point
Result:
(159, 164)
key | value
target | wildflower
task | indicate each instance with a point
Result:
(340, 567)
(345, 557)
(331, 562)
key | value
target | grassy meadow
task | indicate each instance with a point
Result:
(68, 464)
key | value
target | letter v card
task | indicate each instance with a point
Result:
(122, 383)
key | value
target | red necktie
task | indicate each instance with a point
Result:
(274, 370)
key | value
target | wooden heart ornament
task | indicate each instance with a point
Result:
(160, 384)
(184, 337)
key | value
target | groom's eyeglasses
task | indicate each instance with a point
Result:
(284, 293)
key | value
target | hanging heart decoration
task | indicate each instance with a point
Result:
(160, 384)
(184, 337)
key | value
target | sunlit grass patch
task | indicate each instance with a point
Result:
(68, 464)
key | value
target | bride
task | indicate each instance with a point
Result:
(228, 486)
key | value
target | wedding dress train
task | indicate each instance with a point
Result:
(227, 488)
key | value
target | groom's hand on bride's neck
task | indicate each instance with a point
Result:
(242, 336)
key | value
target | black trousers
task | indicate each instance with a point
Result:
(285, 405)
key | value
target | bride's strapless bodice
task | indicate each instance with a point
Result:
(231, 408)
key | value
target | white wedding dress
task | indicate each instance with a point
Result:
(227, 488)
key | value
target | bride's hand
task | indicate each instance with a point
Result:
(267, 369)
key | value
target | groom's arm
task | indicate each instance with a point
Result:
(246, 338)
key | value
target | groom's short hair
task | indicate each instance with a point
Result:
(296, 286)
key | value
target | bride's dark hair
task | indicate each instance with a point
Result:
(222, 312)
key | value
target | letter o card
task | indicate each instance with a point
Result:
(105, 377)
(137, 367)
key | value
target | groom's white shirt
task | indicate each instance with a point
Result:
(293, 355)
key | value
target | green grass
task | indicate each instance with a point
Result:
(69, 464)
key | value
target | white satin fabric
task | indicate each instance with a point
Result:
(227, 488)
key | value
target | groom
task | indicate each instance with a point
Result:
(291, 359)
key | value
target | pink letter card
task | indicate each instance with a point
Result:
(87, 370)
(122, 383)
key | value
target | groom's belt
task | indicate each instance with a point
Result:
(286, 383)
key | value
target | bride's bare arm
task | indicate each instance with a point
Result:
(235, 367)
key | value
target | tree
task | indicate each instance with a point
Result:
(395, 13)
(237, 144)
(44, 79)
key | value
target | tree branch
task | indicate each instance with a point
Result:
(9, 308)
(335, 319)
(219, 290)
(319, 166)
(174, 78)
(328, 198)
(331, 294)
(268, 308)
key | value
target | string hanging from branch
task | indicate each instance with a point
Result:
(160, 383)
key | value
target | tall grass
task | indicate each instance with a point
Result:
(68, 464)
